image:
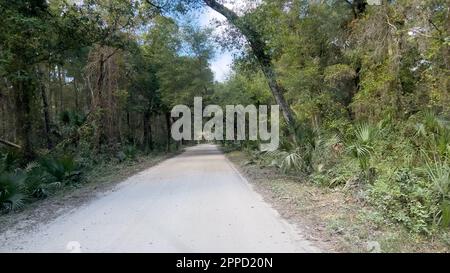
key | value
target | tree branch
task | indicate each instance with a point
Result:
(229, 14)
(10, 144)
(436, 27)
(158, 7)
(259, 49)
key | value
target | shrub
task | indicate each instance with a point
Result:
(8, 161)
(361, 147)
(71, 118)
(39, 183)
(433, 135)
(407, 199)
(439, 174)
(62, 169)
(128, 152)
(11, 190)
(308, 150)
(296, 154)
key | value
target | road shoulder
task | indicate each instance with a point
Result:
(333, 218)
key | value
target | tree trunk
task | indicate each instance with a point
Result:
(258, 47)
(98, 103)
(23, 89)
(45, 110)
(168, 125)
(4, 111)
(75, 90)
(150, 135)
(61, 87)
(147, 145)
(130, 134)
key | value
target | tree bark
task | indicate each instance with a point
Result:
(148, 145)
(75, 90)
(98, 103)
(23, 89)
(168, 125)
(130, 134)
(150, 135)
(61, 87)
(258, 47)
(45, 110)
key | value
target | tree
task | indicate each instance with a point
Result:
(260, 50)
(257, 43)
(32, 33)
(180, 76)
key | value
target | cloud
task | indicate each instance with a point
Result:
(221, 66)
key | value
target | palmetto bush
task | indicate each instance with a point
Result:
(39, 182)
(11, 190)
(62, 169)
(8, 161)
(36, 180)
(128, 152)
(439, 174)
(433, 139)
(361, 147)
(288, 157)
(304, 152)
(433, 135)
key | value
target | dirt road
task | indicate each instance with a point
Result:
(195, 202)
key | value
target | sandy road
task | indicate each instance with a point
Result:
(195, 202)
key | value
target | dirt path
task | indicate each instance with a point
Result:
(195, 202)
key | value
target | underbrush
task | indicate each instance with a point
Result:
(53, 171)
(400, 168)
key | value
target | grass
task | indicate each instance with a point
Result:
(334, 218)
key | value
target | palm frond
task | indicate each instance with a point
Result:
(11, 190)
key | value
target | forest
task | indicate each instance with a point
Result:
(363, 92)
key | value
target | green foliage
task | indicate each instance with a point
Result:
(39, 183)
(130, 152)
(407, 199)
(376, 84)
(11, 190)
(86, 82)
(310, 150)
(433, 134)
(388, 64)
(71, 118)
(9, 161)
(439, 174)
(288, 159)
(62, 169)
(361, 147)
(445, 214)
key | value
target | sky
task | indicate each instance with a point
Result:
(221, 64)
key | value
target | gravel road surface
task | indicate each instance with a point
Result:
(195, 202)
